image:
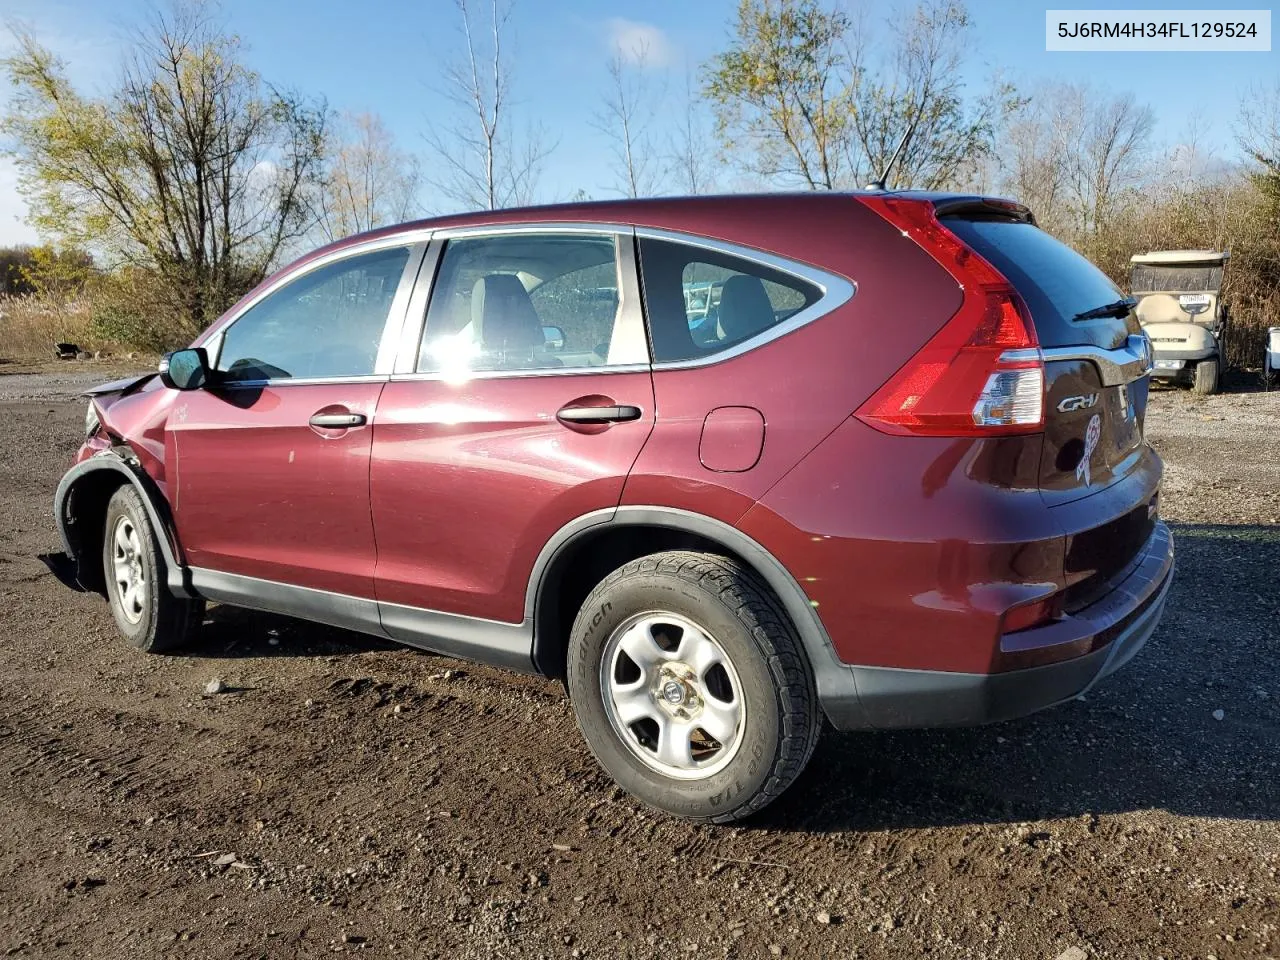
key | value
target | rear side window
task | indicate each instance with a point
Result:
(701, 301)
(1055, 281)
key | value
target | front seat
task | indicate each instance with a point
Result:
(505, 323)
(745, 308)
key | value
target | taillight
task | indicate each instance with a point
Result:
(1037, 613)
(982, 374)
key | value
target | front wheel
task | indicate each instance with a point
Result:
(150, 617)
(690, 686)
(1206, 381)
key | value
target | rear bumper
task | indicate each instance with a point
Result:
(1114, 629)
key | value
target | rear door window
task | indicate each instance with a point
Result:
(1056, 282)
(526, 302)
(701, 301)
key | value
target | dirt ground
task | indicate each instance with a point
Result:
(353, 795)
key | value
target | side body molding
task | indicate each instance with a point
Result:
(156, 506)
(834, 680)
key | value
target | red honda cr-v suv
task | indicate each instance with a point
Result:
(725, 465)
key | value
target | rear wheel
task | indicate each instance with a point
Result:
(690, 687)
(150, 617)
(1206, 378)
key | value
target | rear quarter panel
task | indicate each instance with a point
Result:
(809, 381)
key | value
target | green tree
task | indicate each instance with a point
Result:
(918, 100)
(15, 264)
(782, 92)
(192, 167)
(59, 273)
(804, 96)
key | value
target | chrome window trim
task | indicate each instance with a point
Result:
(415, 241)
(300, 381)
(1115, 367)
(836, 292)
(549, 226)
(629, 318)
(512, 374)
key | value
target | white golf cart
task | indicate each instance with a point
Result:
(1180, 309)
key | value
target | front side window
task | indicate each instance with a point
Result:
(701, 301)
(326, 323)
(524, 301)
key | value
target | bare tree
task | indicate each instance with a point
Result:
(1037, 149)
(1075, 153)
(691, 161)
(625, 116)
(1108, 158)
(369, 182)
(482, 163)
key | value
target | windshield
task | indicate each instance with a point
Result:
(1174, 277)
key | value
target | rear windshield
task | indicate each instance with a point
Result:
(1055, 281)
(1175, 278)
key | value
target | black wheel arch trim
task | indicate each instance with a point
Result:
(127, 466)
(835, 681)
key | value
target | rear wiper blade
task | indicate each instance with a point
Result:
(1119, 308)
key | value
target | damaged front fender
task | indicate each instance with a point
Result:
(79, 506)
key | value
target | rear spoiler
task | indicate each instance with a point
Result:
(978, 207)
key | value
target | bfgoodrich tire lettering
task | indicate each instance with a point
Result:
(781, 720)
(150, 617)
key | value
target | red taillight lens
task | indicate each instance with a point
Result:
(1034, 614)
(982, 374)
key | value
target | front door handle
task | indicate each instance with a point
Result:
(615, 414)
(337, 421)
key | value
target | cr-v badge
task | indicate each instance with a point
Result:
(1072, 404)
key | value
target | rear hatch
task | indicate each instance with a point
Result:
(1095, 376)
(1095, 399)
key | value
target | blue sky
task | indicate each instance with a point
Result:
(385, 56)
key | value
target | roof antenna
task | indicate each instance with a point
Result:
(879, 182)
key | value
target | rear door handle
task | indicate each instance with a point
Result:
(337, 421)
(617, 414)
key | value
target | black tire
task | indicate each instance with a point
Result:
(1206, 377)
(155, 620)
(780, 720)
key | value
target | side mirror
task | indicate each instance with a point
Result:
(553, 338)
(185, 369)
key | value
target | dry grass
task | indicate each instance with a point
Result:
(30, 326)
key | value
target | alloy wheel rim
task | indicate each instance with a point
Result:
(672, 695)
(128, 571)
